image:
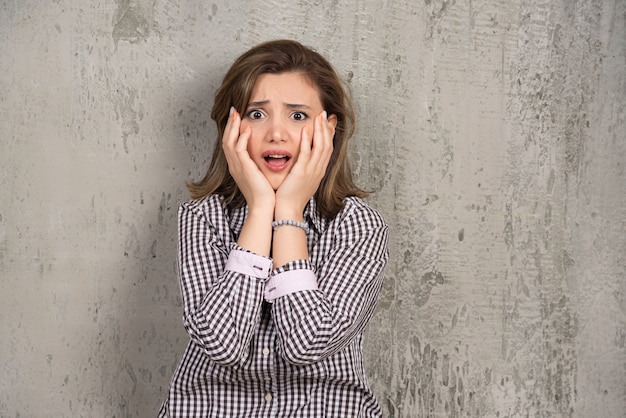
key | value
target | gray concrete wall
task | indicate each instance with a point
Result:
(494, 134)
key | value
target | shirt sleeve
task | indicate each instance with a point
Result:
(297, 276)
(316, 323)
(222, 287)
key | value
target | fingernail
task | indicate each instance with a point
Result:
(230, 112)
(325, 115)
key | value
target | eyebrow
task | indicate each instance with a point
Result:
(288, 105)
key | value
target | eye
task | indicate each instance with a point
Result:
(255, 114)
(299, 116)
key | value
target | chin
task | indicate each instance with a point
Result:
(275, 186)
(276, 182)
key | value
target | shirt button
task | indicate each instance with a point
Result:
(266, 351)
(268, 397)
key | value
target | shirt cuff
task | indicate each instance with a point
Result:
(248, 263)
(288, 282)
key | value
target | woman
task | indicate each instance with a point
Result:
(280, 261)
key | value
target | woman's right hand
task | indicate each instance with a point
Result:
(251, 182)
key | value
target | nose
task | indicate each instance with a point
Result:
(276, 131)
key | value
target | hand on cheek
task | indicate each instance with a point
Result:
(316, 148)
(250, 181)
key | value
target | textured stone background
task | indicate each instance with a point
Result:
(494, 135)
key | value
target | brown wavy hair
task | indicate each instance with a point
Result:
(277, 57)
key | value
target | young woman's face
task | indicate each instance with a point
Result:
(280, 107)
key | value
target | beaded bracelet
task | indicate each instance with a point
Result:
(289, 222)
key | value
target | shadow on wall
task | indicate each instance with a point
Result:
(150, 337)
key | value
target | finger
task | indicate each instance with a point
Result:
(229, 141)
(242, 143)
(322, 144)
(231, 131)
(305, 144)
(329, 132)
(321, 139)
(330, 135)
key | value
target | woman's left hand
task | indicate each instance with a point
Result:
(308, 171)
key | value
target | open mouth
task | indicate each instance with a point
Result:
(276, 160)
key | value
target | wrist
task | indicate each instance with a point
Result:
(256, 232)
(289, 208)
(288, 213)
(289, 222)
(261, 211)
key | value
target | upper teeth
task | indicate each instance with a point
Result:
(276, 156)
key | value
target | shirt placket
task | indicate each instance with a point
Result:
(268, 366)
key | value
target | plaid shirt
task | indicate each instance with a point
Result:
(295, 355)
